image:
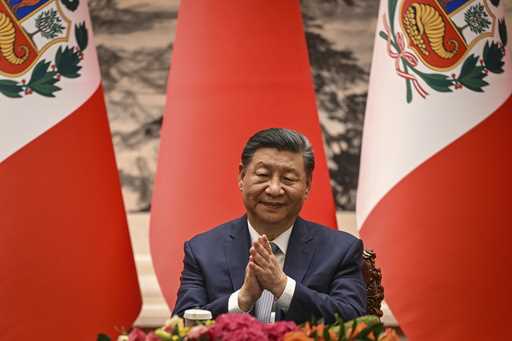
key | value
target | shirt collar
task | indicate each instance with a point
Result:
(281, 240)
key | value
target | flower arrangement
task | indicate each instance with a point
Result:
(244, 327)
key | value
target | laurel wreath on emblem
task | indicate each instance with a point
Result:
(46, 74)
(474, 70)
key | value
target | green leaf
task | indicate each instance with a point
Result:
(353, 327)
(437, 81)
(471, 75)
(46, 89)
(379, 328)
(326, 335)
(384, 36)
(502, 27)
(493, 57)
(72, 5)
(40, 70)
(392, 9)
(103, 337)
(368, 319)
(10, 88)
(408, 91)
(82, 38)
(67, 62)
(476, 82)
(341, 331)
(468, 66)
(364, 334)
(42, 81)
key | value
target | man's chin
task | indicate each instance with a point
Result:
(272, 218)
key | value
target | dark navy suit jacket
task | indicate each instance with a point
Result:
(326, 265)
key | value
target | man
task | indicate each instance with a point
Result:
(271, 262)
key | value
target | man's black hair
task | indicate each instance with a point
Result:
(281, 139)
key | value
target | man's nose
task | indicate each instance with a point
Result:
(274, 187)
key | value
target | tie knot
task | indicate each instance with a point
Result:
(275, 249)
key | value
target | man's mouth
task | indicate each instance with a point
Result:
(272, 204)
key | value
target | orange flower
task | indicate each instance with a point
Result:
(296, 336)
(332, 335)
(307, 328)
(349, 333)
(317, 332)
(389, 335)
(319, 328)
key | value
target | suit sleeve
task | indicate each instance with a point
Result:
(192, 292)
(347, 295)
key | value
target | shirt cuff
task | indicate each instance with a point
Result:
(284, 301)
(233, 303)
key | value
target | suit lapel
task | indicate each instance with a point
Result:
(299, 252)
(236, 246)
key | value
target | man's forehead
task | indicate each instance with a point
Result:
(268, 157)
(275, 164)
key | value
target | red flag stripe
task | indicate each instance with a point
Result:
(65, 255)
(238, 67)
(447, 277)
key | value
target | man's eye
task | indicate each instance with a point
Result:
(289, 179)
(262, 174)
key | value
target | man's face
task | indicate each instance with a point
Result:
(274, 186)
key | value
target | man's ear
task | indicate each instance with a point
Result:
(308, 187)
(241, 175)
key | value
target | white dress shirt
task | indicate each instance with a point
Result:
(283, 302)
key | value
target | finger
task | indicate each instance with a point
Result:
(251, 259)
(269, 260)
(251, 280)
(266, 244)
(263, 241)
(256, 258)
(269, 257)
(250, 271)
(255, 250)
(257, 270)
(246, 272)
(260, 249)
(267, 269)
(259, 259)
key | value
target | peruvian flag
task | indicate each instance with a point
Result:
(238, 67)
(67, 268)
(435, 180)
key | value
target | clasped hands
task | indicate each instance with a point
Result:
(262, 272)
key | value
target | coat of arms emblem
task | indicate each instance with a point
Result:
(444, 36)
(28, 30)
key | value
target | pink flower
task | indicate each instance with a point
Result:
(137, 335)
(246, 334)
(276, 331)
(237, 327)
(152, 337)
(198, 333)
